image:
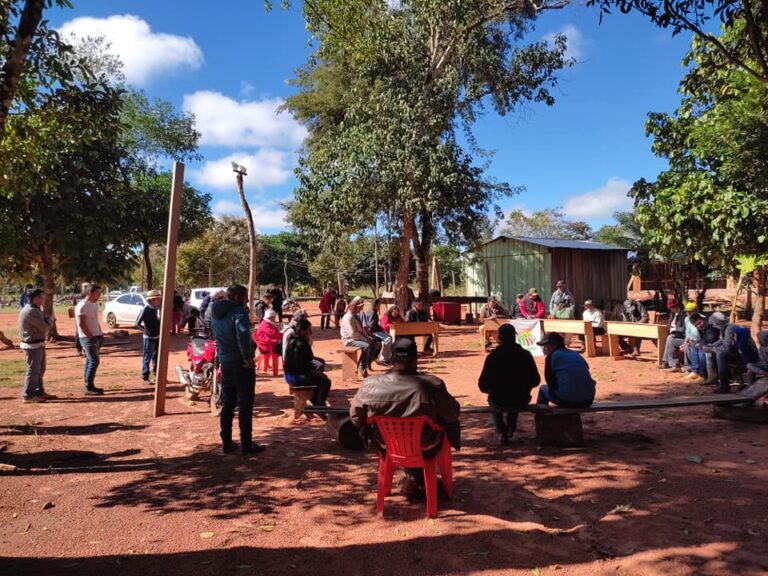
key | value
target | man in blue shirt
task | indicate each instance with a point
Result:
(569, 383)
(149, 323)
(235, 349)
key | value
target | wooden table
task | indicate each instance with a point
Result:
(489, 328)
(658, 332)
(583, 327)
(398, 329)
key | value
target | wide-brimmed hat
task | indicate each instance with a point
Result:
(356, 301)
(152, 294)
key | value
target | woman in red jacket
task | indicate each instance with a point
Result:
(532, 306)
(268, 337)
(391, 316)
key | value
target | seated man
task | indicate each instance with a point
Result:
(489, 311)
(508, 395)
(532, 305)
(595, 316)
(733, 351)
(569, 383)
(420, 313)
(632, 311)
(676, 336)
(405, 392)
(759, 369)
(300, 365)
(353, 334)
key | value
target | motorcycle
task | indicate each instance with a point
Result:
(203, 373)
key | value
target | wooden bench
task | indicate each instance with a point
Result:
(582, 327)
(658, 332)
(301, 395)
(350, 357)
(490, 329)
(399, 329)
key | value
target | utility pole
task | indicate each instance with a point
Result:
(285, 275)
(241, 171)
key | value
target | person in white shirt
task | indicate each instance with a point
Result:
(90, 335)
(33, 329)
(592, 314)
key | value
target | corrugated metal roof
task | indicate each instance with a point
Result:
(559, 243)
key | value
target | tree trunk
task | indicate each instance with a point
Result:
(45, 261)
(759, 307)
(17, 58)
(149, 276)
(422, 247)
(252, 242)
(401, 284)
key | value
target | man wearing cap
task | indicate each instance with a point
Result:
(569, 383)
(632, 311)
(532, 306)
(676, 336)
(405, 392)
(149, 323)
(508, 395)
(490, 311)
(353, 334)
(561, 295)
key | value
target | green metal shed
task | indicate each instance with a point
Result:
(510, 266)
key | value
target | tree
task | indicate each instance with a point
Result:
(283, 260)
(218, 257)
(711, 205)
(385, 97)
(547, 223)
(747, 51)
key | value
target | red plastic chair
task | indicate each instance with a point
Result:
(402, 438)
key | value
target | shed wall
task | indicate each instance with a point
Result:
(600, 275)
(514, 267)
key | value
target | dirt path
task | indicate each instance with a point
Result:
(100, 487)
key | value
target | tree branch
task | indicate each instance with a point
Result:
(754, 39)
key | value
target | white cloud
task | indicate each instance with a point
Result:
(264, 217)
(227, 122)
(266, 167)
(601, 202)
(144, 53)
(575, 41)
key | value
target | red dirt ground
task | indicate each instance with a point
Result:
(101, 487)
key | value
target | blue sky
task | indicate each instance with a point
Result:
(231, 66)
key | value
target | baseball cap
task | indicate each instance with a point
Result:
(404, 348)
(690, 306)
(551, 338)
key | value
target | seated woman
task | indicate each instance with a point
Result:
(391, 316)
(268, 337)
(508, 395)
(569, 383)
(300, 364)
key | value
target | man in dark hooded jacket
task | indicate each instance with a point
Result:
(231, 327)
(509, 374)
(734, 350)
(759, 369)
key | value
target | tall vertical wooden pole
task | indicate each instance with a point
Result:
(240, 172)
(166, 312)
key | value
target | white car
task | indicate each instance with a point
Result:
(196, 295)
(124, 310)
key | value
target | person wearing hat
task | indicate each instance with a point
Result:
(507, 396)
(569, 383)
(491, 311)
(676, 336)
(353, 334)
(149, 323)
(733, 351)
(562, 296)
(632, 311)
(405, 392)
(532, 306)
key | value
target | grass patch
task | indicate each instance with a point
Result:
(12, 373)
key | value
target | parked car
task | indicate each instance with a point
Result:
(196, 295)
(114, 294)
(124, 310)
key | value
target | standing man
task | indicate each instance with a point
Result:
(149, 323)
(561, 295)
(327, 304)
(353, 334)
(90, 335)
(231, 327)
(33, 328)
(418, 313)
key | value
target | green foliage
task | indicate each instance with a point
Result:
(547, 223)
(710, 205)
(218, 257)
(285, 252)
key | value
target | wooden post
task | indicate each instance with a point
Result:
(240, 171)
(166, 319)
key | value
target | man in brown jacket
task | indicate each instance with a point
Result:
(405, 392)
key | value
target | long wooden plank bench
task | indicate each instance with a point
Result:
(614, 330)
(399, 329)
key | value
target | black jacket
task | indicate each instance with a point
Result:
(298, 357)
(509, 374)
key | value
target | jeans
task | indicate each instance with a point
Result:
(504, 421)
(370, 349)
(312, 378)
(238, 387)
(670, 349)
(33, 379)
(325, 320)
(91, 347)
(149, 356)
(386, 346)
(697, 360)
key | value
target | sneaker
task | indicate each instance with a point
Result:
(147, 381)
(253, 449)
(94, 391)
(37, 399)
